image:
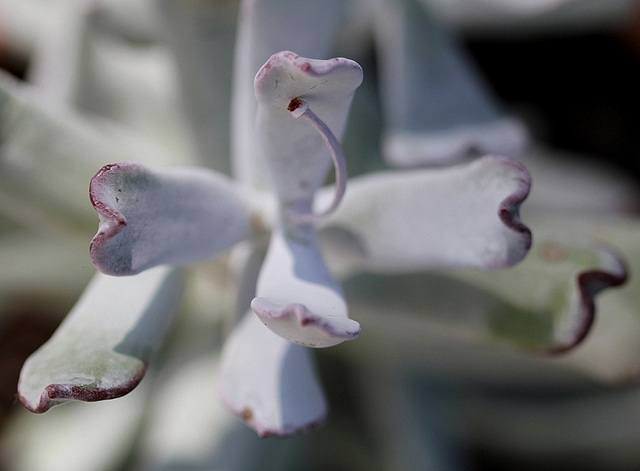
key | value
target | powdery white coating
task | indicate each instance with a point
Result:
(173, 216)
(302, 326)
(270, 382)
(423, 219)
(297, 297)
(287, 75)
(150, 217)
(297, 157)
(101, 349)
(266, 27)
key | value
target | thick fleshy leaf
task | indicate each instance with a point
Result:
(46, 160)
(245, 263)
(443, 303)
(270, 382)
(151, 216)
(546, 303)
(436, 107)
(395, 222)
(103, 346)
(296, 154)
(611, 351)
(297, 298)
(559, 281)
(188, 429)
(202, 36)
(266, 27)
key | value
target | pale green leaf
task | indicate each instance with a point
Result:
(102, 348)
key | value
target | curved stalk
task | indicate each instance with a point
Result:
(300, 108)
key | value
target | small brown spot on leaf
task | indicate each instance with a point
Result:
(247, 413)
(294, 104)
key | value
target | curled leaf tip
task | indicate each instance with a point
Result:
(509, 209)
(612, 273)
(102, 349)
(248, 415)
(298, 324)
(112, 221)
(152, 216)
(55, 394)
(269, 382)
(311, 67)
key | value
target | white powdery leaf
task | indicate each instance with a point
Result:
(297, 297)
(270, 382)
(395, 222)
(102, 348)
(151, 216)
(266, 27)
(294, 151)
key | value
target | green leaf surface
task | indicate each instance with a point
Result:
(546, 303)
(611, 352)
